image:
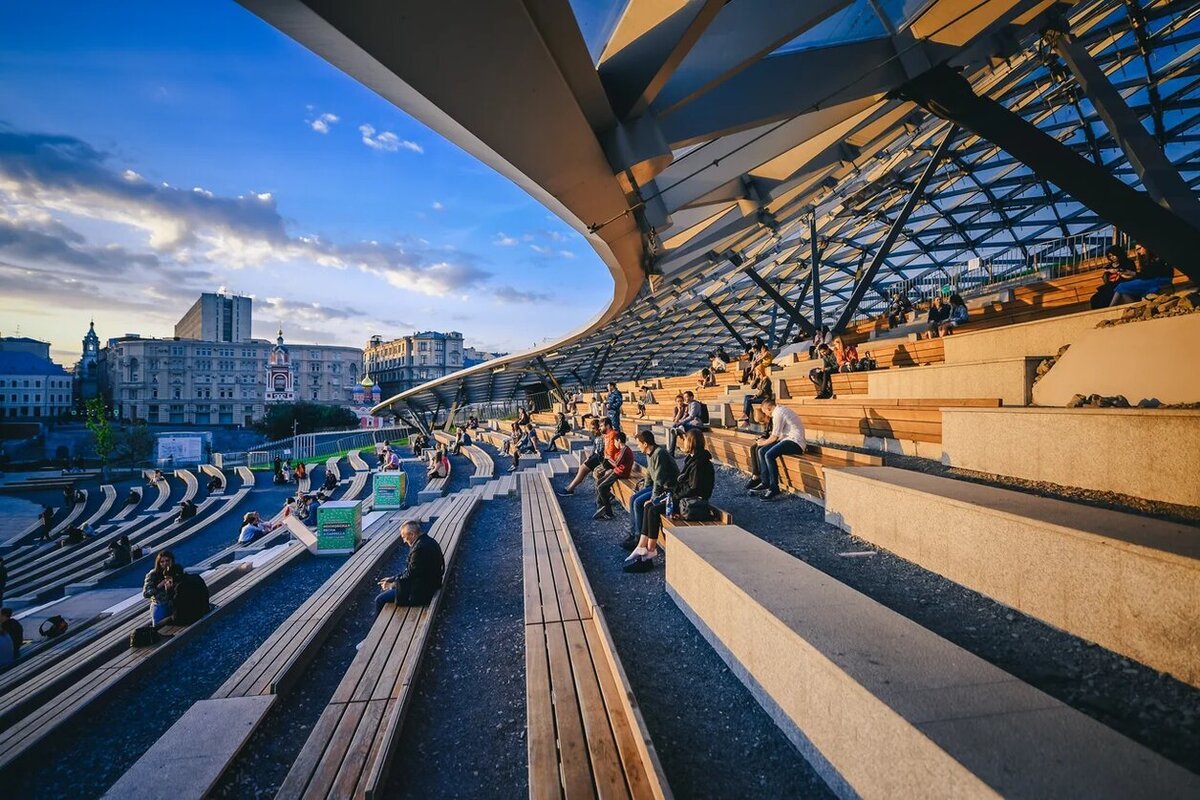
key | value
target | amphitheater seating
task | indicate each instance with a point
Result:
(586, 737)
(348, 751)
(164, 491)
(215, 472)
(1126, 582)
(89, 679)
(110, 497)
(804, 473)
(941, 720)
(623, 491)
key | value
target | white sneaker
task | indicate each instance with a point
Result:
(637, 553)
(359, 646)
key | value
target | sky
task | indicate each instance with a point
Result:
(152, 151)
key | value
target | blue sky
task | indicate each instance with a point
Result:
(151, 151)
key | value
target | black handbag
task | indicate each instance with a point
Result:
(53, 627)
(144, 636)
(695, 509)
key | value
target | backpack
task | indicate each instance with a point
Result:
(704, 413)
(191, 600)
(144, 636)
(53, 627)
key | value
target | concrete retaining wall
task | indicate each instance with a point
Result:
(1144, 453)
(1009, 379)
(1040, 338)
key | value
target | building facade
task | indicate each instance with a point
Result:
(189, 382)
(32, 388)
(400, 364)
(217, 317)
(87, 369)
(23, 344)
(473, 356)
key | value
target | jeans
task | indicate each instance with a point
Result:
(748, 405)
(383, 598)
(675, 432)
(159, 612)
(1140, 287)
(604, 492)
(769, 455)
(635, 509)
(615, 418)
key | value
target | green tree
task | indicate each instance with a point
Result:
(136, 443)
(103, 436)
(308, 418)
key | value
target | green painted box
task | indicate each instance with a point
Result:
(339, 527)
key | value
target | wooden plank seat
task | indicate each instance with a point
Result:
(586, 736)
(916, 420)
(844, 384)
(113, 662)
(191, 484)
(110, 497)
(357, 484)
(357, 461)
(349, 749)
(624, 489)
(801, 473)
(485, 466)
(164, 490)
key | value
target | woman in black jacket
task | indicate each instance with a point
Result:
(159, 585)
(697, 477)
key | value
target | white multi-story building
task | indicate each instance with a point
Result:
(32, 387)
(401, 364)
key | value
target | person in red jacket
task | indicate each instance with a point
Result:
(622, 467)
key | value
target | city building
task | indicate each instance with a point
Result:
(217, 317)
(32, 387)
(227, 380)
(87, 369)
(473, 356)
(23, 344)
(401, 364)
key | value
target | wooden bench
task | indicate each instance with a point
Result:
(110, 497)
(191, 484)
(357, 484)
(356, 461)
(164, 491)
(349, 750)
(801, 473)
(916, 420)
(623, 490)
(586, 736)
(114, 661)
(215, 472)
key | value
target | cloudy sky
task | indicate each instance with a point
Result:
(151, 151)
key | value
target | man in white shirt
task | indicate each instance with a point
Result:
(787, 438)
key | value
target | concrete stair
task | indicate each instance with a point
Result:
(1010, 379)
(1148, 453)
(1125, 582)
(882, 707)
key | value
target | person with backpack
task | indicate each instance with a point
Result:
(159, 586)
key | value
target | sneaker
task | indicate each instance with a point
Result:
(639, 566)
(513, 468)
(629, 542)
(637, 553)
(754, 483)
(566, 492)
(602, 513)
(770, 494)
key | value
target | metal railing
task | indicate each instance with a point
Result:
(308, 446)
(1006, 269)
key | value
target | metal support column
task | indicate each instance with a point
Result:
(885, 247)
(944, 92)
(815, 258)
(603, 360)
(721, 318)
(792, 312)
(557, 388)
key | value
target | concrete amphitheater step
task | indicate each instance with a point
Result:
(1010, 379)
(1149, 453)
(1126, 582)
(883, 707)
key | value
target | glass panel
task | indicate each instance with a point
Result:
(597, 20)
(855, 22)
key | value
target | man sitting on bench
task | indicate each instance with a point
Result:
(422, 574)
(787, 438)
(606, 477)
(695, 417)
(604, 448)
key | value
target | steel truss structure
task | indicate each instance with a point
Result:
(732, 161)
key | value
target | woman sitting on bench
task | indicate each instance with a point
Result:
(439, 464)
(159, 585)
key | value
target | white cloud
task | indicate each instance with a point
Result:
(386, 141)
(555, 236)
(323, 122)
(504, 240)
(566, 254)
(437, 206)
(540, 249)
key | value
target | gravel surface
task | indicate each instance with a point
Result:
(1147, 706)
(106, 739)
(465, 732)
(713, 738)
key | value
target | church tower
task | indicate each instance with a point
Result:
(281, 387)
(87, 371)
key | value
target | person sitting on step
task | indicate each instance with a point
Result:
(661, 475)
(604, 449)
(786, 439)
(606, 477)
(959, 315)
(331, 481)
(695, 416)
(562, 429)
(939, 312)
(1153, 276)
(717, 362)
(214, 483)
(846, 355)
(159, 585)
(765, 391)
(822, 376)
(119, 553)
(423, 572)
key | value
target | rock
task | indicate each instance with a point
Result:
(1149, 402)
(1061, 350)
(1119, 401)
(1078, 401)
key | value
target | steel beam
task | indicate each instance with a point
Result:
(1158, 174)
(889, 239)
(781, 301)
(815, 262)
(603, 360)
(944, 92)
(721, 317)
